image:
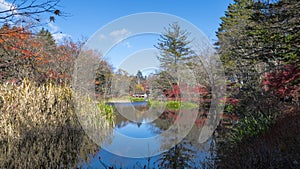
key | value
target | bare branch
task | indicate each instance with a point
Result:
(29, 13)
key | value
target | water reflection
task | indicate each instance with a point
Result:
(61, 148)
(70, 147)
(50, 145)
(139, 124)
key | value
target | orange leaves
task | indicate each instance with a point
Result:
(24, 44)
(39, 59)
(38, 55)
(64, 57)
(26, 53)
(36, 44)
(16, 40)
(13, 48)
(13, 33)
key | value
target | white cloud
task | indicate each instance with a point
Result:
(4, 5)
(121, 32)
(53, 28)
(58, 36)
(102, 37)
(8, 7)
(128, 45)
(118, 35)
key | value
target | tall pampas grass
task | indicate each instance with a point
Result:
(28, 106)
(40, 128)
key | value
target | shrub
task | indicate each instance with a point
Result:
(250, 126)
(278, 147)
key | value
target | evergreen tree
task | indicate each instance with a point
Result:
(182, 155)
(139, 75)
(174, 48)
(259, 46)
(46, 36)
(233, 42)
(278, 34)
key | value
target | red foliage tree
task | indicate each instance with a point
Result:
(283, 82)
(24, 55)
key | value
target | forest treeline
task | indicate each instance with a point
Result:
(259, 45)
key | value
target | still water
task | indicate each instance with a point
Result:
(152, 137)
(142, 137)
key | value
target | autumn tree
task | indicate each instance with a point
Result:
(239, 53)
(18, 52)
(280, 40)
(104, 77)
(258, 36)
(39, 58)
(121, 83)
(62, 61)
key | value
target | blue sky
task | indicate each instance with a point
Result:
(85, 18)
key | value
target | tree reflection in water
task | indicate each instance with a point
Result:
(69, 147)
(52, 146)
(62, 148)
(188, 153)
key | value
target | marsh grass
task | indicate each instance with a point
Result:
(173, 104)
(28, 107)
(40, 127)
(136, 99)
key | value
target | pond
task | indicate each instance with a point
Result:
(152, 137)
(142, 136)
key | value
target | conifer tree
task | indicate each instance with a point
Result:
(174, 48)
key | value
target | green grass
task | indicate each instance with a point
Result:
(189, 105)
(173, 105)
(155, 103)
(136, 99)
(107, 110)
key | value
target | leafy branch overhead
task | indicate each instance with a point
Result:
(28, 13)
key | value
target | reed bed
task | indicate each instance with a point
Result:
(40, 126)
(28, 107)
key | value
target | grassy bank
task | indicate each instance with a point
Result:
(136, 99)
(173, 105)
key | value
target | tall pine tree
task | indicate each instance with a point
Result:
(174, 48)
